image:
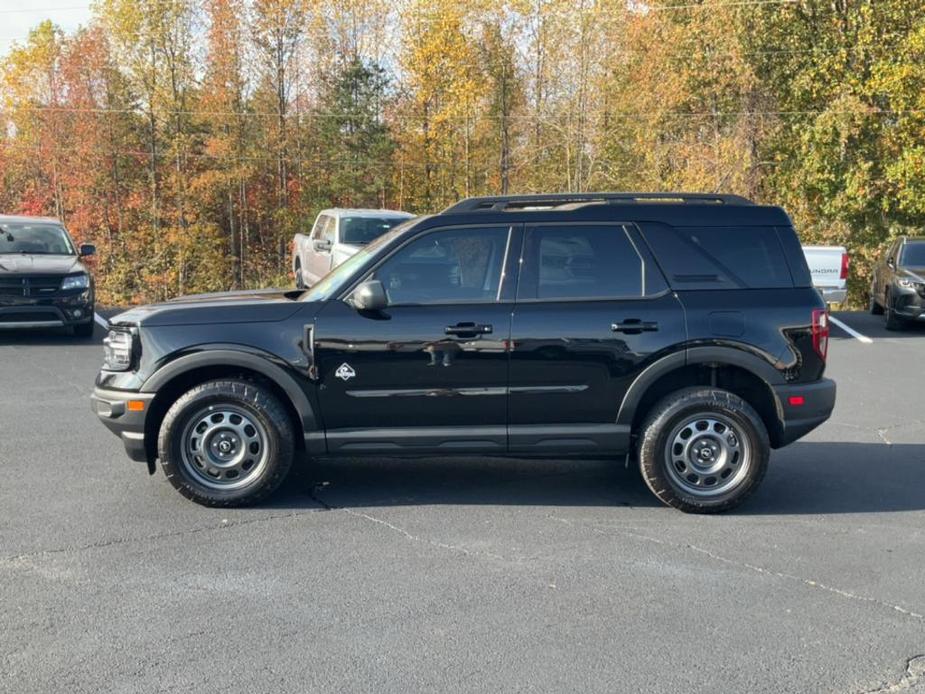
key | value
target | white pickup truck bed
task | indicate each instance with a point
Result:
(828, 266)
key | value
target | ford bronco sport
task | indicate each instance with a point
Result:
(680, 331)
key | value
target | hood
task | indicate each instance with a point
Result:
(28, 264)
(258, 306)
(916, 273)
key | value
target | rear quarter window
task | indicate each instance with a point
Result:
(720, 257)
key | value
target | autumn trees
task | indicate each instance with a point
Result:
(189, 139)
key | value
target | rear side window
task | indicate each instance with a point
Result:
(720, 257)
(580, 262)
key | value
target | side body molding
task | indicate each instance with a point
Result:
(710, 354)
(253, 361)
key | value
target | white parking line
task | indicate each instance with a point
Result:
(101, 321)
(851, 331)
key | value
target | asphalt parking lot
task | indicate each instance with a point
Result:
(463, 575)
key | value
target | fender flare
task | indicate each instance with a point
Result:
(733, 356)
(260, 362)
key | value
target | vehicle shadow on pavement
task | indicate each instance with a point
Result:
(465, 481)
(827, 477)
(806, 478)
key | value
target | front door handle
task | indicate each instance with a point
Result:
(634, 326)
(468, 329)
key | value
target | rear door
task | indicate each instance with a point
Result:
(592, 311)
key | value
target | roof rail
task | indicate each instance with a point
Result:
(552, 201)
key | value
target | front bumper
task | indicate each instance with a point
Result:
(18, 313)
(124, 420)
(801, 408)
(908, 303)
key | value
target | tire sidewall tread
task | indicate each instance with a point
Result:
(263, 405)
(658, 425)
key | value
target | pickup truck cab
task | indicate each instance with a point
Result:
(336, 235)
(828, 266)
(679, 331)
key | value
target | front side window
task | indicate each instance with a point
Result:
(580, 262)
(38, 239)
(450, 266)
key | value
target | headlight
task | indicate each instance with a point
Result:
(117, 351)
(907, 283)
(75, 282)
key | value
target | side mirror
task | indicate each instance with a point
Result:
(370, 296)
(322, 245)
(87, 249)
(892, 263)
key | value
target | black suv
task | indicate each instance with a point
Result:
(680, 330)
(43, 284)
(898, 286)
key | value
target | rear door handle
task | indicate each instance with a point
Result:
(468, 329)
(634, 326)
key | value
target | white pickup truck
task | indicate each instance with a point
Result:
(829, 268)
(336, 235)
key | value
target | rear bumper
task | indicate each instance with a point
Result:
(797, 418)
(833, 295)
(112, 407)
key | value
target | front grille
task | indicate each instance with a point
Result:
(30, 317)
(29, 285)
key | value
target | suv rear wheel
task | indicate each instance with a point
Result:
(226, 443)
(703, 450)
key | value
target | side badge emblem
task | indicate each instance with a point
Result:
(345, 372)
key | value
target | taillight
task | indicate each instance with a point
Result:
(821, 333)
(845, 264)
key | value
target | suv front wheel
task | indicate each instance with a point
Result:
(703, 450)
(226, 443)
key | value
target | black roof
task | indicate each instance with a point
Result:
(677, 209)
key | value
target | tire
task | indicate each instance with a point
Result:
(246, 433)
(686, 423)
(299, 282)
(893, 322)
(875, 308)
(83, 330)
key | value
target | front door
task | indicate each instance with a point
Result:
(592, 311)
(428, 373)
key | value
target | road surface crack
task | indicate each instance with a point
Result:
(912, 675)
(751, 567)
(102, 544)
(313, 493)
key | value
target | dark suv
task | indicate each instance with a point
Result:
(898, 287)
(43, 283)
(680, 330)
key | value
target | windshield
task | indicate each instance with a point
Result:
(362, 230)
(331, 283)
(34, 238)
(913, 255)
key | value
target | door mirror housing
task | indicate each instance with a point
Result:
(891, 263)
(322, 245)
(87, 250)
(370, 296)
